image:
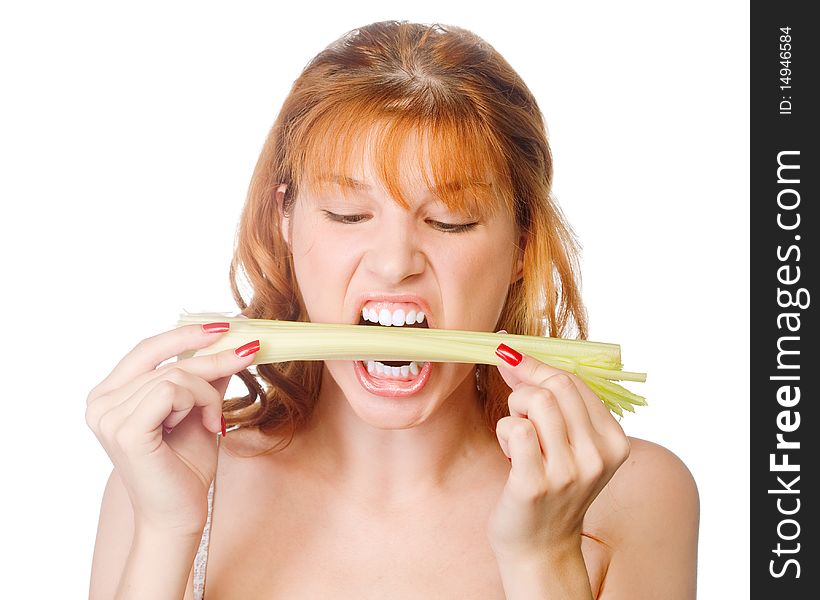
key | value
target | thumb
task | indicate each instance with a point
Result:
(508, 380)
(221, 384)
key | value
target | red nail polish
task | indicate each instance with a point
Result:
(224, 426)
(216, 327)
(247, 349)
(509, 355)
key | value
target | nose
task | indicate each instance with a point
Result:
(393, 253)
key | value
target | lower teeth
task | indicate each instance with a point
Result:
(382, 371)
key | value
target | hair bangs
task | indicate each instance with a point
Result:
(457, 159)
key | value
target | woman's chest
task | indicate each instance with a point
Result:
(296, 540)
(336, 567)
(306, 554)
(289, 548)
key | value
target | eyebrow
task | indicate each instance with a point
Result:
(355, 184)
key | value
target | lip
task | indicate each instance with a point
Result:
(415, 298)
(392, 388)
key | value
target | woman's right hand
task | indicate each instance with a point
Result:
(167, 475)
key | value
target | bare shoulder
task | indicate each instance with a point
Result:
(652, 490)
(649, 515)
(650, 464)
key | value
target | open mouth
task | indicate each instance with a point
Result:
(390, 387)
(393, 378)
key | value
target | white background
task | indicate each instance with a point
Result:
(128, 140)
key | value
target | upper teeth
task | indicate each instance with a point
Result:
(396, 318)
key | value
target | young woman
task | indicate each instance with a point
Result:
(405, 182)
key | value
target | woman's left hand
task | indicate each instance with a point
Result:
(564, 446)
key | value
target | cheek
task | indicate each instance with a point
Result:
(475, 280)
(479, 262)
(322, 270)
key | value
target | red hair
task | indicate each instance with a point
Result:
(480, 127)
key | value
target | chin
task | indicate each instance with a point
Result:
(382, 416)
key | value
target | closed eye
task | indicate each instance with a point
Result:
(348, 219)
(453, 228)
(444, 227)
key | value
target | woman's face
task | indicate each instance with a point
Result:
(367, 252)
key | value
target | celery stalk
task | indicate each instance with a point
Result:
(596, 363)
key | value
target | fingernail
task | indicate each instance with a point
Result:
(247, 349)
(224, 427)
(509, 355)
(216, 327)
(501, 331)
(167, 429)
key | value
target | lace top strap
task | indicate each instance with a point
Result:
(201, 559)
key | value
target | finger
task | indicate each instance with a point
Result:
(573, 406)
(166, 401)
(524, 368)
(520, 439)
(221, 385)
(525, 380)
(531, 371)
(120, 414)
(204, 394)
(500, 427)
(138, 432)
(616, 444)
(541, 407)
(210, 367)
(602, 418)
(152, 351)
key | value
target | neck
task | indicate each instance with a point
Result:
(378, 467)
